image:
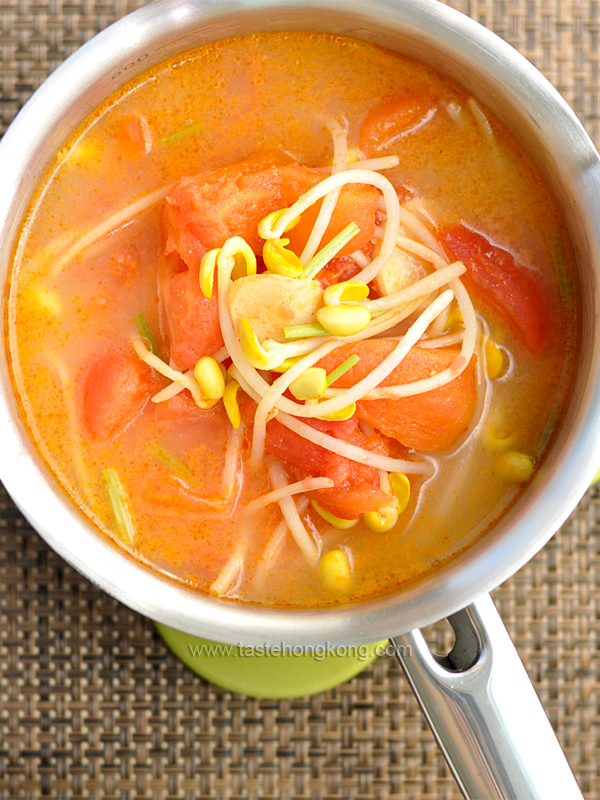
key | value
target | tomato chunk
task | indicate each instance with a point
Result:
(208, 208)
(356, 488)
(338, 270)
(431, 421)
(134, 135)
(203, 211)
(216, 204)
(115, 390)
(356, 203)
(190, 320)
(353, 500)
(517, 293)
(388, 122)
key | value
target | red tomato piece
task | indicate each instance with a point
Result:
(202, 212)
(515, 292)
(135, 135)
(356, 487)
(389, 121)
(205, 210)
(354, 500)
(190, 319)
(338, 269)
(431, 421)
(209, 208)
(116, 388)
(181, 243)
(404, 195)
(356, 203)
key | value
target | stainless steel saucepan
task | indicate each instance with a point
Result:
(479, 702)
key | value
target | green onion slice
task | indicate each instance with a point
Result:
(189, 130)
(169, 461)
(141, 323)
(304, 331)
(331, 249)
(119, 503)
(342, 369)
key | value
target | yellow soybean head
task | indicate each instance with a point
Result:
(352, 157)
(281, 261)
(230, 402)
(341, 415)
(88, 152)
(229, 376)
(345, 292)
(514, 466)
(210, 378)
(311, 385)
(343, 320)
(285, 365)
(242, 254)
(455, 318)
(253, 351)
(207, 271)
(337, 522)
(205, 403)
(494, 360)
(400, 486)
(45, 301)
(335, 570)
(500, 439)
(383, 519)
(266, 225)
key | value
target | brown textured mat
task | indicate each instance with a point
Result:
(92, 705)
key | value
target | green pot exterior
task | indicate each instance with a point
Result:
(270, 674)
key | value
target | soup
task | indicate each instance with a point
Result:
(292, 319)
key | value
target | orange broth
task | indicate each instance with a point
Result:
(213, 107)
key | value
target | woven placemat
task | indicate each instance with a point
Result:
(92, 705)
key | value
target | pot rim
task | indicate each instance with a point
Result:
(511, 83)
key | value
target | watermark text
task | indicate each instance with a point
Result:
(361, 652)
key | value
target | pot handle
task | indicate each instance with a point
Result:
(484, 712)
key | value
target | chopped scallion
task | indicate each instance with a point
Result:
(304, 331)
(563, 272)
(342, 369)
(547, 432)
(141, 323)
(173, 138)
(331, 249)
(119, 503)
(169, 461)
